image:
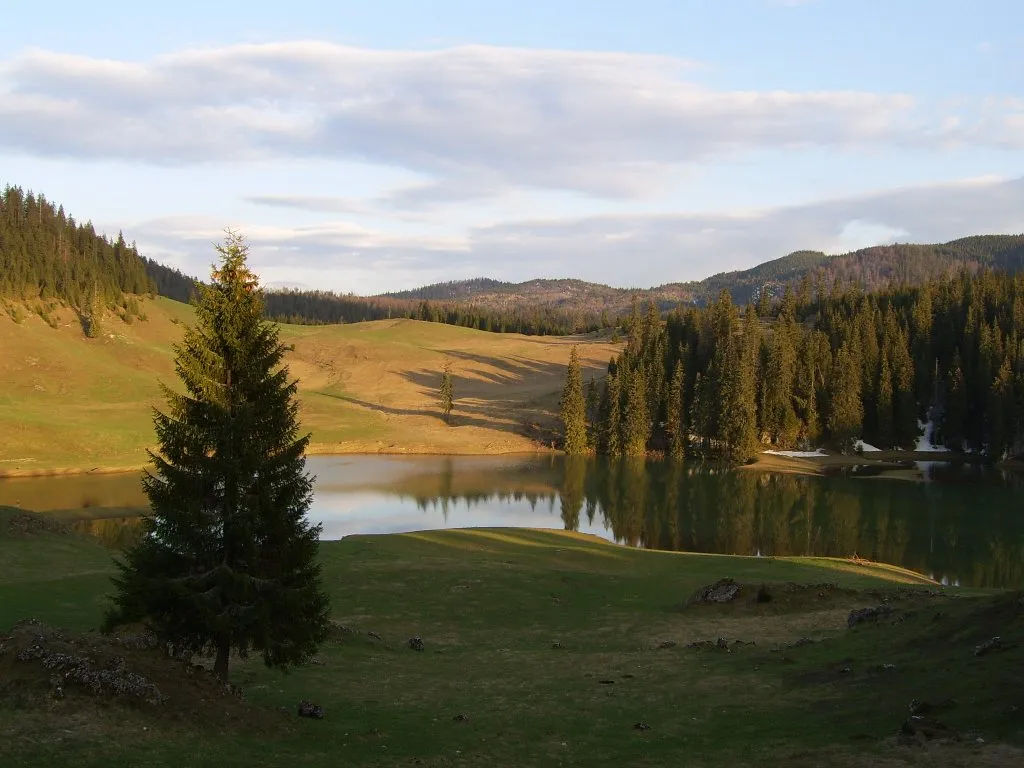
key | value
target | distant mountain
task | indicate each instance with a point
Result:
(873, 268)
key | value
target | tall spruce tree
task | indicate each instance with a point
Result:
(573, 412)
(229, 559)
(636, 424)
(446, 392)
(674, 413)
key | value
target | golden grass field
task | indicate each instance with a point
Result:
(77, 404)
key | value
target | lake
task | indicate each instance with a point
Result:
(961, 524)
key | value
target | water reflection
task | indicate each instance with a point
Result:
(959, 524)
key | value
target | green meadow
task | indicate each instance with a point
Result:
(541, 648)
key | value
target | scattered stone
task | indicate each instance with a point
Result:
(667, 644)
(845, 671)
(461, 718)
(863, 615)
(925, 729)
(556, 645)
(82, 671)
(988, 646)
(720, 644)
(722, 591)
(416, 643)
(641, 726)
(311, 710)
(888, 666)
(802, 642)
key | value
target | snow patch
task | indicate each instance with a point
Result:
(798, 454)
(924, 442)
(863, 447)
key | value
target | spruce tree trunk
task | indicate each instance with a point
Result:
(220, 666)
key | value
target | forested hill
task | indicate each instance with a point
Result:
(45, 254)
(873, 268)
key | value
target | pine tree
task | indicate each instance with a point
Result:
(593, 406)
(884, 434)
(674, 414)
(446, 393)
(612, 438)
(573, 408)
(636, 427)
(229, 561)
(846, 414)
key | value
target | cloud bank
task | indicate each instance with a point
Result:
(473, 118)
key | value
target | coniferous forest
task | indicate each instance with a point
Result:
(823, 367)
(45, 254)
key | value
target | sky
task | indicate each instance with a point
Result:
(363, 147)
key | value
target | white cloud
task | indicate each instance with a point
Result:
(625, 250)
(475, 119)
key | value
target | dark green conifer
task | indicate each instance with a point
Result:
(229, 559)
(573, 409)
(446, 392)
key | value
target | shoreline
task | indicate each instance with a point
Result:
(885, 461)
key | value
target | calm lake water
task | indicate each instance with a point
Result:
(960, 524)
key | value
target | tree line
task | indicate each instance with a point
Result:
(45, 254)
(303, 307)
(818, 367)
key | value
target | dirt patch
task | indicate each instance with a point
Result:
(770, 597)
(65, 674)
(20, 524)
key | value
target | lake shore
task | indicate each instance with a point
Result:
(889, 463)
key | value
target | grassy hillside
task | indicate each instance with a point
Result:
(542, 648)
(78, 403)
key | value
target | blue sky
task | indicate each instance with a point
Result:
(372, 146)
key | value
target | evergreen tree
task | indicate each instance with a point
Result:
(446, 392)
(846, 413)
(573, 408)
(613, 421)
(593, 406)
(884, 437)
(636, 426)
(674, 426)
(229, 561)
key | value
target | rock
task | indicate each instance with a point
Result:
(374, 636)
(925, 729)
(461, 718)
(556, 645)
(918, 707)
(641, 726)
(416, 643)
(606, 682)
(722, 591)
(311, 710)
(667, 644)
(720, 644)
(988, 646)
(863, 615)
(802, 642)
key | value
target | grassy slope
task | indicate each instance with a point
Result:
(72, 402)
(489, 605)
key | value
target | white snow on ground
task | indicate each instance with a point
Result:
(860, 445)
(924, 442)
(798, 454)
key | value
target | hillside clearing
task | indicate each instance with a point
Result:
(81, 404)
